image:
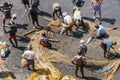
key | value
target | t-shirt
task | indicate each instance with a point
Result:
(67, 19)
(77, 15)
(108, 43)
(101, 30)
(28, 54)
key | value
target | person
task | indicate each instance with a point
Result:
(80, 62)
(26, 4)
(36, 3)
(67, 23)
(83, 48)
(12, 20)
(44, 41)
(99, 32)
(29, 55)
(77, 17)
(12, 34)
(106, 44)
(78, 3)
(96, 5)
(6, 9)
(57, 11)
(33, 14)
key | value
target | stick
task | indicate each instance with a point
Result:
(48, 19)
(28, 32)
(114, 28)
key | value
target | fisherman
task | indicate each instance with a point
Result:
(36, 3)
(12, 34)
(44, 41)
(78, 3)
(106, 44)
(6, 9)
(33, 14)
(96, 5)
(67, 23)
(13, 18)
(57, 11)
(29, 55)
(80, 61)
(77, 17)
(99, 32)
(26, 4)
(83, 48)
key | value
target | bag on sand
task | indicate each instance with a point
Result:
(24, 62)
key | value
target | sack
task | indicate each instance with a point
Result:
(5, 52)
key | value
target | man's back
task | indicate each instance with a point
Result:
(29, 54)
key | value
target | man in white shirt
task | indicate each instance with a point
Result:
(67, 23)
(29, 55)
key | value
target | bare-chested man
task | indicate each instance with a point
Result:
(96, 5)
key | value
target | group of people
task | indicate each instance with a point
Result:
(68, 22)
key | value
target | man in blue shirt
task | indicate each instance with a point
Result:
(106, 44)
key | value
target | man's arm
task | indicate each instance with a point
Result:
(10, 6)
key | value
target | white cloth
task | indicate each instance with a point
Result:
(77, 15)
(67, 19)
(28, 54)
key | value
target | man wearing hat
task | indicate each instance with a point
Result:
(29, 55)
(67, 23)
(12, 34)
(57, 11)
(106, 44)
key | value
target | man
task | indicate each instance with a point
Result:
(6, 9)
(26, 4)
(29, 55)
(83, 48)
(44, 41)
(33, 14)
(106, 44)
(12, 34)
(96, 5)
(57, 11)
(36, 3)
(99, 32)
(77, 17)
(80, 61)
(67, 23)
(78, 3)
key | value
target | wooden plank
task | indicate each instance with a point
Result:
(48, 19)
(29, 32)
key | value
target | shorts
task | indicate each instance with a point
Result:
(26, 2)
(12, 37)
(30, 62)
(6, 15)
(97, 9)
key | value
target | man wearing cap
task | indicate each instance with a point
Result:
(99, 31)
(57, 11)
(29, 55)
(80, 62)
(106, 44)
(6, 9)
(67, 23)
(12, 34)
